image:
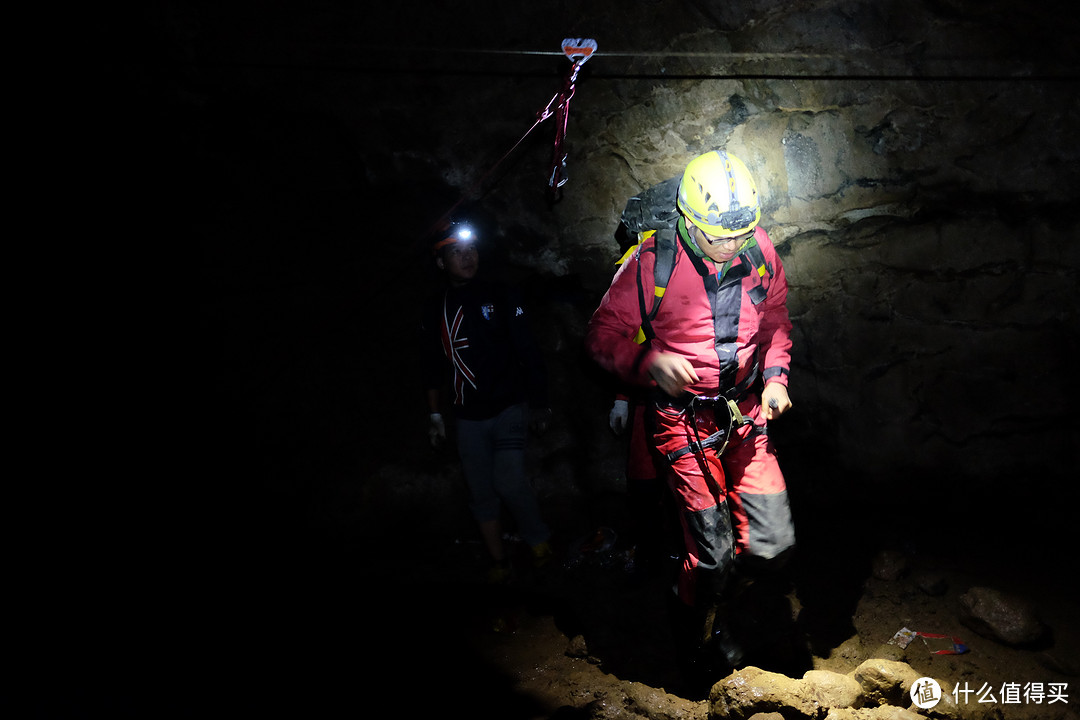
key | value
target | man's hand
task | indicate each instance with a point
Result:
(618, 416)
(672, 373)
(774, 401)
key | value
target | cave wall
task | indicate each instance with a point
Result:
(917, 161)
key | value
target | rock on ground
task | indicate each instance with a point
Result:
(1000, 617)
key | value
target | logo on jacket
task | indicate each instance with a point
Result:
(453, 342)
(488, 311)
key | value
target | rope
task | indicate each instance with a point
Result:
(606, 53)
(557, 178)
(698, 449)
(444, 219)
(562, 111)
(857, 65)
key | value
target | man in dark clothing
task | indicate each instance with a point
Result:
(477, 340)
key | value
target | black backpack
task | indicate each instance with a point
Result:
(655, 209)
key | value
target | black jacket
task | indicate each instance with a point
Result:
(477, 339)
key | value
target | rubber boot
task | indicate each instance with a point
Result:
(767, 624)
(723, 651)
(687, 627)
(705, 649)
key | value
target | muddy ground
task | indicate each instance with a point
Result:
(400, 624)
(262, 613)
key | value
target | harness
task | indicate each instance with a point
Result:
(721, 437)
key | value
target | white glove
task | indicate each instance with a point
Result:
(617, 418)
(436, 430)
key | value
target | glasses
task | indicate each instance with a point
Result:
(737, 240)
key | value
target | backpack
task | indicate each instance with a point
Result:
(655, 213)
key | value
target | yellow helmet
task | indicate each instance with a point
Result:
(718, 195)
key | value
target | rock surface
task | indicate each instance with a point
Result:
(885, 682)
(876, 689)
(1000, 617)
(918, 175)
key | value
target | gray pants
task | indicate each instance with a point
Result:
(493, 459)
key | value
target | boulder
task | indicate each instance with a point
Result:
(884, 712)
(834, 690)
(656, 704)
(751, 690)
(885, 682)
(1001, 617)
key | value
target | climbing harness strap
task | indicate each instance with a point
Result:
(729, 401)
(721, 437)
(666, 251)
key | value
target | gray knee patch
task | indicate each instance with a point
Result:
(771, 531)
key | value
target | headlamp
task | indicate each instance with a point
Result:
(736, 219)
(458, 233)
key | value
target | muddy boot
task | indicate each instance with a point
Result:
(772, 636)
(724, 652)
(686, 634)
(702, 647)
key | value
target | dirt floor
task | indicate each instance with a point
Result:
(589, 637)
(406, 626)
(572, 642)
(418, 631)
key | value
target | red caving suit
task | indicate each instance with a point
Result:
(732, 325)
